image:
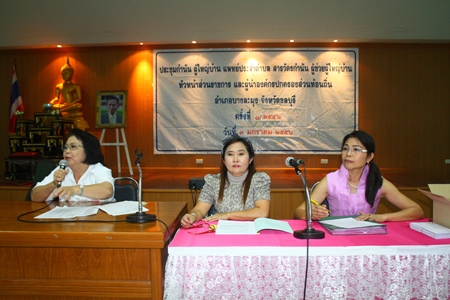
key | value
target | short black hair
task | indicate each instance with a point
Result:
(91, 146)
(112, 97)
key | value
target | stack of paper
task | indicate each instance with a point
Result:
(351, 226)
(434, 230)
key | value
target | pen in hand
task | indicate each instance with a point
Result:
(315, 202)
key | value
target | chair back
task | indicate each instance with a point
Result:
(324, 201)
(43, 168)
(195, 185)
(125, 188)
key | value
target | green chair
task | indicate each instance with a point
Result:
(43, 168)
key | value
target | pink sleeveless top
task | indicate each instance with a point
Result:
(341, 202)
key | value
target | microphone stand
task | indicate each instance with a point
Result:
(140, 216)
(308, 232)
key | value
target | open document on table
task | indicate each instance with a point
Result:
(113, 209)
(251, 227)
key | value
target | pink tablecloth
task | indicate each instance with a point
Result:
(403, 264)
(399, 234)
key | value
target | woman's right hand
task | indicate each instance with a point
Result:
(59, 176)
(319, 212)
(188, 220)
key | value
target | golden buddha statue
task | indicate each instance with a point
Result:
(67, 98)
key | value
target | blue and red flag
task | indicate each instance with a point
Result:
(16, 103)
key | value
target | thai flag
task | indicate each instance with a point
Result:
(16, 101)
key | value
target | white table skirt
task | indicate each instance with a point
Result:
(370, 276)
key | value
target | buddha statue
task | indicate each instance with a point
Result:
(67, 98)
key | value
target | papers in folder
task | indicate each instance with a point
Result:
(351, 226)
(113, 209)
(251, 227)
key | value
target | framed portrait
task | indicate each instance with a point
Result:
(111, 109)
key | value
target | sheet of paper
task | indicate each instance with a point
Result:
(82, 199)
(113, 209)
(68, 212)
(435, 197)
(266, 223)
(235, 227)
(440, 189)
(122, 208)
(349, 223)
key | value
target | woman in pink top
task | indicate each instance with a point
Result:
(357, 187)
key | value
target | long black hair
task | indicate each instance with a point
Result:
(91, 146)
(374, 180)
(224, 172)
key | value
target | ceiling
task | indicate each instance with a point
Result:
(46, 23)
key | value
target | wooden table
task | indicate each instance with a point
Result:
(84, 259)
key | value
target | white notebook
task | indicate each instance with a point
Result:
(434, 230)
(251, 227)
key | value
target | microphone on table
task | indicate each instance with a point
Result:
(62, 165)
(292, 162)
(308, 232)
(140, 216)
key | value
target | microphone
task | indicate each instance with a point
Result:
(292, 162)
(308, 232)
(140, 216)
(62, 165)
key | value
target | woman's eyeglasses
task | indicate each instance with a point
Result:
(71, 147)
(356, 150)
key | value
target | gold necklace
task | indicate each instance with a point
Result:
(355, 187)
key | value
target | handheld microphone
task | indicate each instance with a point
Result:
(292, 162)
(62, 165)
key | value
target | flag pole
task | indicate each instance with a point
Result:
(16, 103)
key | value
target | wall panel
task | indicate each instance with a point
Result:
(403, 102)
(283, 201)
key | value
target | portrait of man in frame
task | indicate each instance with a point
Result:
(111, 109)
